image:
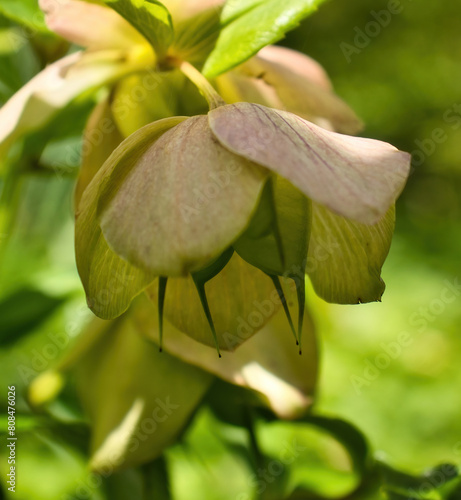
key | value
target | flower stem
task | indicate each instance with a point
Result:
(205, 87)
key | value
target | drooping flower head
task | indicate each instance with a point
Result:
(207, 211)
(216, 197)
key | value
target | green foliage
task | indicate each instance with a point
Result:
(25, 12)
(24, 310)
(150, 18)
(249, 26)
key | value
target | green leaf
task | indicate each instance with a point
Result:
(284, 249)
(197, 195)
(267, 363)
(393, 495)
(241, 299)
(419, 486)
(250, 25)
(157, 480)
(125, 484)
(345, 257)
(138, 400)
(23, 311)
(25, 12)
(349, 436)
(150, 18)
(110, 282)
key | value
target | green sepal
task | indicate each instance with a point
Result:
(283, 300)
(277, 238)
(201, 278)
(196, 37)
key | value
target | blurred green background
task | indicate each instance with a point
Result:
(405, 83)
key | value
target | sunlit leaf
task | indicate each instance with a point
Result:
(250, 25)
(150, 18)
(355, 177)
(25, 12)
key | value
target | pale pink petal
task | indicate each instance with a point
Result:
(90, 25)
(354, 177)
(297, 63)
(183, 203)
(289, 81)
(24, 111)
(56, 86)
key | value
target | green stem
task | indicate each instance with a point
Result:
(205, 87)
(278, 287)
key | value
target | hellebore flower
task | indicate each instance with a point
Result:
(179, 196)
(217, 206)
(216, 211)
